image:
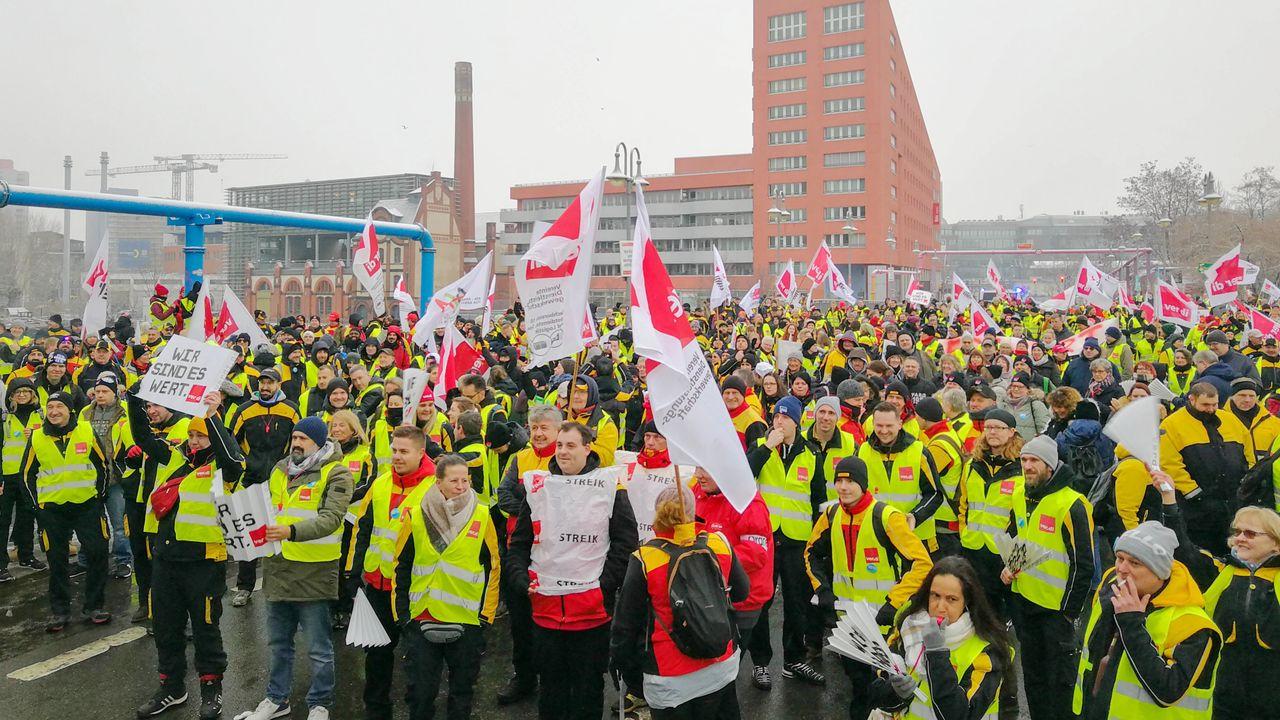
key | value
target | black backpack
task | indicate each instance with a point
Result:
(701, 626)
(1257, 485)
(1087, 463)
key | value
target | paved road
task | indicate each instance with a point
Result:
(116, 669)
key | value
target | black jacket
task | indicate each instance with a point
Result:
(263, 428)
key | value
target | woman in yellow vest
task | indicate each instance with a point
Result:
(1242, 596)
(446, 587)
(346, 430)
(1150, 649)
(956, 646)
(22, 418)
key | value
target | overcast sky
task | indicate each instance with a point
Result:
(1047, 105)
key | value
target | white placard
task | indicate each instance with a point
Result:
(244, 516)
(183, 373)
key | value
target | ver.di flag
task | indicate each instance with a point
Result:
(993, 276)
(457, 358)
(235, 319)
(366, 265)
(1226, 275)
(683, 393)
(553, 278)
(95, 285)
(404, 301)
(839, 287)
(751, 300)
(1174, 306)
(201, 324)
(721, 293)
(443, 307)
(820, 265)
(1271, 292)
(786, 284)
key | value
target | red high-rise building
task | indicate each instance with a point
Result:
(836, 129)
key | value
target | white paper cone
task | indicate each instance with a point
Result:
(1136, 426)
(365, 630)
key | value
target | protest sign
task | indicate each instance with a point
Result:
(183, 373)
(244, 516)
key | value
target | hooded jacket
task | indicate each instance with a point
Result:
(750, 534)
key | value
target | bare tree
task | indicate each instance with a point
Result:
(1258, 192)
(1155, 193)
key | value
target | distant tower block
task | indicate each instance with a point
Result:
(464, 170)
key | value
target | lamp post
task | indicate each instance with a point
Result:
(777, 213)
(626, 173)
(1209, 200)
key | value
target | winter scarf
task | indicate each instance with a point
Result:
(446, 518)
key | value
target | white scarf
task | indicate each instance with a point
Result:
(955, 633)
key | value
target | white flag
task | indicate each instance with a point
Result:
(366, 265)
(416, 386)
(234, 319)
(1097, 331)
(1225, 275)
(1174, 306)
(751, 300)
(487, 324)
(682, 390)
(1058, 302)
(95, 285)
(993, 275)
(1094, 286)
(1136, 426)
(838, 286)
(786, 283)
(720, 290)
(1271, 292)
(400, 293)
(445, 304)
(554, 278)
(201, 323)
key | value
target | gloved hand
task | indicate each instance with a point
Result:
(826, 599)
(194, 292)
(134, 453)
(903, 685)
(933, 638)
(884, 616)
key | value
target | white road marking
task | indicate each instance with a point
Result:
(78, 655)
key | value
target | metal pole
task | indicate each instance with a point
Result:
(66, 237)
(193, 256)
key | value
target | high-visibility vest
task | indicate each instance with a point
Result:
(435, 430)
(448, 586)
(304, 504)
(65, 476)
(835, 453)
(872, 575)
(15, 441)
(175, 435)
(1129, 699)
(988, 508)
(1147, 351)
(381, 555)
(899, 485)
(1115, 354)
(197, 519)
(485, 412)
(786, 492)
(490, 475)
(380, 439)
(356, 461)
(1046, 582)
(949, 483)
(961, 660)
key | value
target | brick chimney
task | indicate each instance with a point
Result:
(464, 171)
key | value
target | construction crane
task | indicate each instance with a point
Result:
(183, 168)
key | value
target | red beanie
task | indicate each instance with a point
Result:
(161, 290)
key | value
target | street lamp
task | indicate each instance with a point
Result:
(777, 213)
(626, 173)
(1209, 200)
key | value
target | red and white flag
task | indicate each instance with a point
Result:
(721, 293)
(786, 285)
(1270, 292)
(590, 336)
(1261, 322)
(820, 265)
(95, 285)
(201, 324)
(1058, 302)
(682, 389)
(447, 302)
(366, 265)
(1224, 277)
(1174, 306)
(993, 276)
(404, 300)
(234, 319)
(457, 358)
(958, 288)
(487, 324)
(839, 287)
(1148, 312)
(554, 277)
(1124, 299)
(1094, 286)
(751, 300)
(981, 321)
(1097, 331)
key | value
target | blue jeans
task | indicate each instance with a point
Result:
(283, 619)
(121, 554)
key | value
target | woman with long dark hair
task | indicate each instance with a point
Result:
(955, 645)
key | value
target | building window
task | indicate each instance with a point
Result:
(736, 192)
(843, 186)
(893, 65)
(843, 105)
(842, 18)
(787, 85)
(791, 189)
(608, 270)
(787, 59)
(845, 240)
(893, 167)
(797, 215)
(844, 212)
(786, 27)
(893, 141)
(788, 241)
(893, 116)
(842, 52)
(791, 162)
(844, 132)
(799, 267)
(893, 217)
(893, 191)
(788, 137)
(846, 77)
(786, 112)
(893, 91)
(844, 159)
(293, 304)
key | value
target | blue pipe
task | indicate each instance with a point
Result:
(194, 216)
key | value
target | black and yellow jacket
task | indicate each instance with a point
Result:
(1204, 457)
(906, 554)
(1135, 499)
(1269, 371)
(263, 427)
(1262, 428)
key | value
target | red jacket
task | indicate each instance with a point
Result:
(750, 535)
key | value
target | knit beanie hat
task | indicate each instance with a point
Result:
(829, 401)
(314, 428)
(108, 380)
(848, 389)
(789, 406)
(852, 468)
(1040, 446)
(1006, 417)
(733, 382)
(1151, 544)
(929, 410)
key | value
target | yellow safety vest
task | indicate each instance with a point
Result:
(65, 476)
(381, 555)
(988, 508)
(961, 660)
(489, 459)
(949, 483)
(1046, 583)
(1181, 387)
(448, 586)
(175, 436)
(380, 438)
(835, 453)
(899, 485)
(872, 575)
(1129, 699)
(786, 492)
(197, 519)
(15, 441)
(304, 504)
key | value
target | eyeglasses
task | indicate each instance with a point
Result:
(1247, 534)
(995, 427)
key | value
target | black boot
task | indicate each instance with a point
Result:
(168, 696)
(517, 689)
(210, 698)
